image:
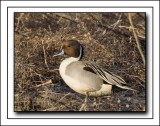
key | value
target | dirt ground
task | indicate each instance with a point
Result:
(115, 41)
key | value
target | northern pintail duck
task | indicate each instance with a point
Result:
(84, 77)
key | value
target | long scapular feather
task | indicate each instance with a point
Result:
(109, 77)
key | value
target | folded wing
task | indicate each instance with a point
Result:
(108, 77)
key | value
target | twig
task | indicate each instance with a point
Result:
(19, 19)
(43, 84)
(65, 16)
(45, 59)
(129, 27)
(105, 26)
(117, 22)
(136, 38)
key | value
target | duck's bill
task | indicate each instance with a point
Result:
(59, 54)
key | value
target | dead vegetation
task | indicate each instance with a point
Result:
(116, 41)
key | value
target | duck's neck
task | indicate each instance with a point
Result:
(72, 59)
(80, 54)
(68, 61)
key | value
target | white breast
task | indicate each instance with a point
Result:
(64, 64)
(71, 82)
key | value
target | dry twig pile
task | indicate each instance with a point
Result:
(114, 40)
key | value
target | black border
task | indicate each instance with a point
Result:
(80, 0)
(0, 68)
(87, 112)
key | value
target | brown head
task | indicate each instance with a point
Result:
(71, 48)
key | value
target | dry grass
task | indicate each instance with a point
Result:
(108, 40)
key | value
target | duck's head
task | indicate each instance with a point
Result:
(71, 48)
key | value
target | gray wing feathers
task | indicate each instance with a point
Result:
(109, 77)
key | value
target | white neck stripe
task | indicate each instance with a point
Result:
(80, 55)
